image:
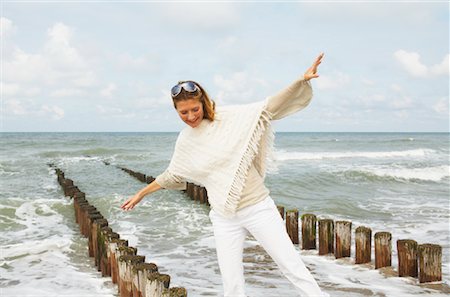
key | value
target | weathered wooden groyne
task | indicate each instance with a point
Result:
(112, 255)
(421, 261)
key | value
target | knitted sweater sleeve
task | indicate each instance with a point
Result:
(170, 181)
(293, 98)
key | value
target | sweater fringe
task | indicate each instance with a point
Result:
(251, 151)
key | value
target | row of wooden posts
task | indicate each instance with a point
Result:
(422, 261)
(113, 257)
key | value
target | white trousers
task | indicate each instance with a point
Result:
(264, 222)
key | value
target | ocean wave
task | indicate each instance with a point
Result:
(284, 156)
(435, 173)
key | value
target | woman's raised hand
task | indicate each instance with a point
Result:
(312, 71)
(131, 202)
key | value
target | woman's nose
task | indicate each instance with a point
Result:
(191, 116)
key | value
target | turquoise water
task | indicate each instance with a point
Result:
(395, 182)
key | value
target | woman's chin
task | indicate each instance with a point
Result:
(193, 124)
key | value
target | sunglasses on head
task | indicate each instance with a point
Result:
(188, 86)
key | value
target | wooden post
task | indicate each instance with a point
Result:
(202, 194)
(85, 209)
(407, 257)
(206, 197)
(326, 236)
(292, 225)
(430, 263)
(141, 177)
(383, 249)
(108, 237)
(130, 262)
(363, 242)
(92, 218)
(156, 283)
(281, 210)
(122, 251)
(76, 205)
(114, 245)
(139, 277)
(125, 287)
(343, 239)
(101, 240)
(149, 179)
(196, 193)
(309, 222)
(189, 189)
(96, 227)
(177, 292)
(81, 203)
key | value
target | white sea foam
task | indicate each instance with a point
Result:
(284, 156)
(436, 173)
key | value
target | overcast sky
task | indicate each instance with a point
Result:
(101, 66)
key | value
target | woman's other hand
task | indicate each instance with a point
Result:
(131, 202)
(312, 71)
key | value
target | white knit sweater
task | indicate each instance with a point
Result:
(233, 174)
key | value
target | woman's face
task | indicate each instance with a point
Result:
(190, 111)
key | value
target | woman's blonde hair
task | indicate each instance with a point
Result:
(209, 106)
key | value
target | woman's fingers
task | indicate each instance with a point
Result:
(127, 204)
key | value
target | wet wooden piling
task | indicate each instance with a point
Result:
(326, 236)
(114, 246)
(343, 239)
(126, 264)
(93, 217)
(363, 245)
(292, 225)
(139, 276)
(156, 284)
(309, 233)
(407, 251)
(430, 263)
(383, 249)
(96, 227)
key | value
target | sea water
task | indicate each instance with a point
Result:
(394, 182)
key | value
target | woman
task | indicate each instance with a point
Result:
(225, 150)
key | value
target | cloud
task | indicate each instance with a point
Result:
(114, 112)
(56, 63)
(201, 15)
(402, 102)
(227, 43)
(9, 89)
(14, 106)
(55, 112)
(442, 68)
(151, 102)
(6, 27)
(338, 80)
(441, 106)
(372, 100)
(66, 93)
(367, 82)
(29, 108)
(108, 91)
(410, 61)
(147, 62)
(239, 88)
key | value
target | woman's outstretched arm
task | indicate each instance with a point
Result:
(131, 202)
(296, 96)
